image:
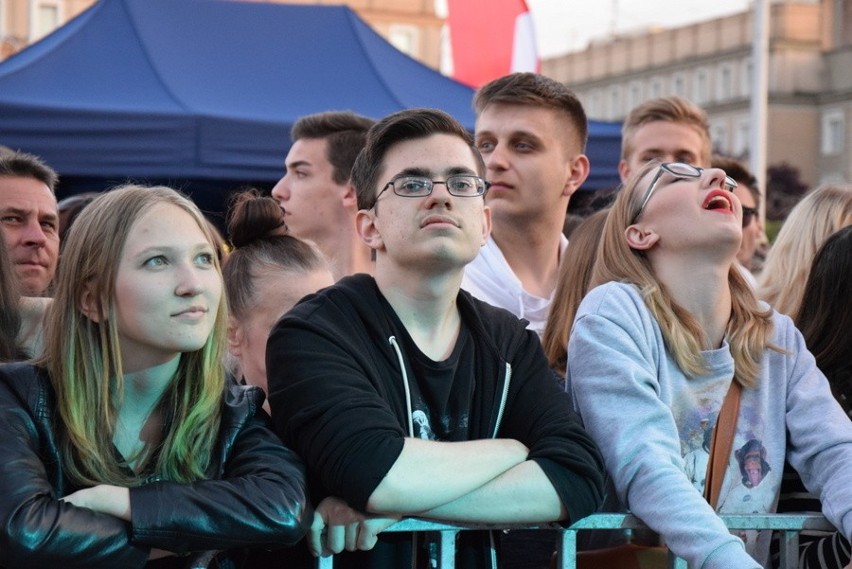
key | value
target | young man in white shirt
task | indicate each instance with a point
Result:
(531, 132)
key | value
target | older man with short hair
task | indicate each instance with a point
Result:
(29, 219)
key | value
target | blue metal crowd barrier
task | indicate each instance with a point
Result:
(789, 526)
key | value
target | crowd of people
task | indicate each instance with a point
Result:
(402, 328)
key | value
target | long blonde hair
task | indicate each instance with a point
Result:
(84, 359)
(575, 272)
(749, 328)
(821, 213)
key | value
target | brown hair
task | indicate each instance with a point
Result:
(23, 165)
(398, 127)
(535, 90)
(666, 109)
(825, 313)
(260, 245)
(344, 132)
(575, 272)
(10, 316)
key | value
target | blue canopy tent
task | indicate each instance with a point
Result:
(208, 89)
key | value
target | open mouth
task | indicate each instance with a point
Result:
(717, 200)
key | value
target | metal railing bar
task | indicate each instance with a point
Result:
(789, 525)
(447, 550)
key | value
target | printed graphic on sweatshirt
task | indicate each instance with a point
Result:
(750, 485)
(695, 413)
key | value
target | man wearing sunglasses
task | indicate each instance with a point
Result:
(749, 195)
(408, 397)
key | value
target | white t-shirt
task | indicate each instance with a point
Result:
(490, 278)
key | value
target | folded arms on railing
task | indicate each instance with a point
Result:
(566, 546)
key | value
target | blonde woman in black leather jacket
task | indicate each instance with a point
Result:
(125, 446)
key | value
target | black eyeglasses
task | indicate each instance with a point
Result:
(749, 213)
(679, 170)
(460, 185)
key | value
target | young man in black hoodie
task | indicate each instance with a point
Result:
(408, 397)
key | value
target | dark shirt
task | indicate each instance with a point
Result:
(443, 390)
(817, 550)
(343, 376)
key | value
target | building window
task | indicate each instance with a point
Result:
(45, 16)
(725, 86)
(746, 72)
(833, 132)
(594, 100)
(614, 102)
(701, 87)
(634, 95)
(719, 138)
(656, 87)
(742, 138)
(680, 85)
(405, 38)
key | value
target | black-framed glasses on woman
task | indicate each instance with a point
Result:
(680, 171)
(459, 185)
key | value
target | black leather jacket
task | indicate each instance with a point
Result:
(254, 496)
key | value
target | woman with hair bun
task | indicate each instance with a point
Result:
(266, 273)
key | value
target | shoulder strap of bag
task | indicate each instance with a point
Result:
(721, 443)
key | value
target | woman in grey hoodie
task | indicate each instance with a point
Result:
(654, 349)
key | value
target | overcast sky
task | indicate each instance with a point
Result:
(568, 25)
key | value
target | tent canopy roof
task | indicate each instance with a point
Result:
(210, 88)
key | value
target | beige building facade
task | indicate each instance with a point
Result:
(810, 70)
(810, 81)
(410, 25)
(23, 22)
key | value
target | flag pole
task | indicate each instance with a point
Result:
(760, 96)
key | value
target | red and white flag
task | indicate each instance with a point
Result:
(490, 38)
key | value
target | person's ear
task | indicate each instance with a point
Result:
(368, 232)
(89, 305)
(623, 170)
(486, 225)
(639, 238)
(579, 171)
(349, 199)
(235, 337)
